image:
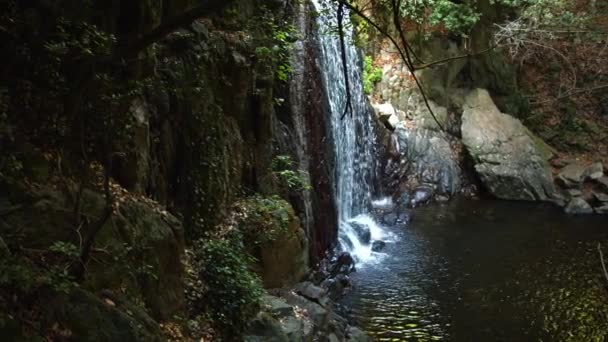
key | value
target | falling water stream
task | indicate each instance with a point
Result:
(353, 139)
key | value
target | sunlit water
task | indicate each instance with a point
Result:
(477, 271)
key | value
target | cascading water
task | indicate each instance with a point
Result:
(353, 139)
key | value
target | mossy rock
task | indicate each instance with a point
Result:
(274, 236)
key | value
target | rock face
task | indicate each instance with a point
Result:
(422, 156)
(508, 159)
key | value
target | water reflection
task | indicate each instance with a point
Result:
(472, 271)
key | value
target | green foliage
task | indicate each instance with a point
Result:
(371, 75)
(456, 17)
(232, 292)
(264, 219)
(19, 275)
(275, 42)
(285, 170)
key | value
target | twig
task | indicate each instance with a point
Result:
(599, 249)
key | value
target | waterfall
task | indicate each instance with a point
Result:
(353, 139)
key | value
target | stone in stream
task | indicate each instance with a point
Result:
(422, 194)
(378, 245)
(363, 233)
(511, 162)
(578, 206)
(405, 217)
(390, 219)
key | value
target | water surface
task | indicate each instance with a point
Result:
(486, 271)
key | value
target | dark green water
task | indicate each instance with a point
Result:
(487, 271)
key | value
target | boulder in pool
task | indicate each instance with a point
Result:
(378, 245)
(511, 162)
(578, 206)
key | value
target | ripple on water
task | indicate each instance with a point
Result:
(458, 274)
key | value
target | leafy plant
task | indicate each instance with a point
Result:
(232, 292)
(371, 75)
(456, 17)
(264, 219)
(284, 168)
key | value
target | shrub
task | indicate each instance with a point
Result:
(232, 291)
(371, 75)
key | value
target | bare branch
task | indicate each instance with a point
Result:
(348, 107)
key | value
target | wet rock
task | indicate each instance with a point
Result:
(390, 219)
(405, 217)
(404, 199)
(378, 245)
(336, 286)
(442, 199)
(510, 161)
(578, 206)
(422, 194)
(363, 233)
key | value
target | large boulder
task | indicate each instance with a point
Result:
(510, 161)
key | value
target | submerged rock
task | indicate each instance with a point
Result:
(390, 219)
(378, 245)
(578, 206)
(509, 159)
(422, 194)
(363, 232)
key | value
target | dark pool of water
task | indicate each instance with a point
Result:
(487, 271)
